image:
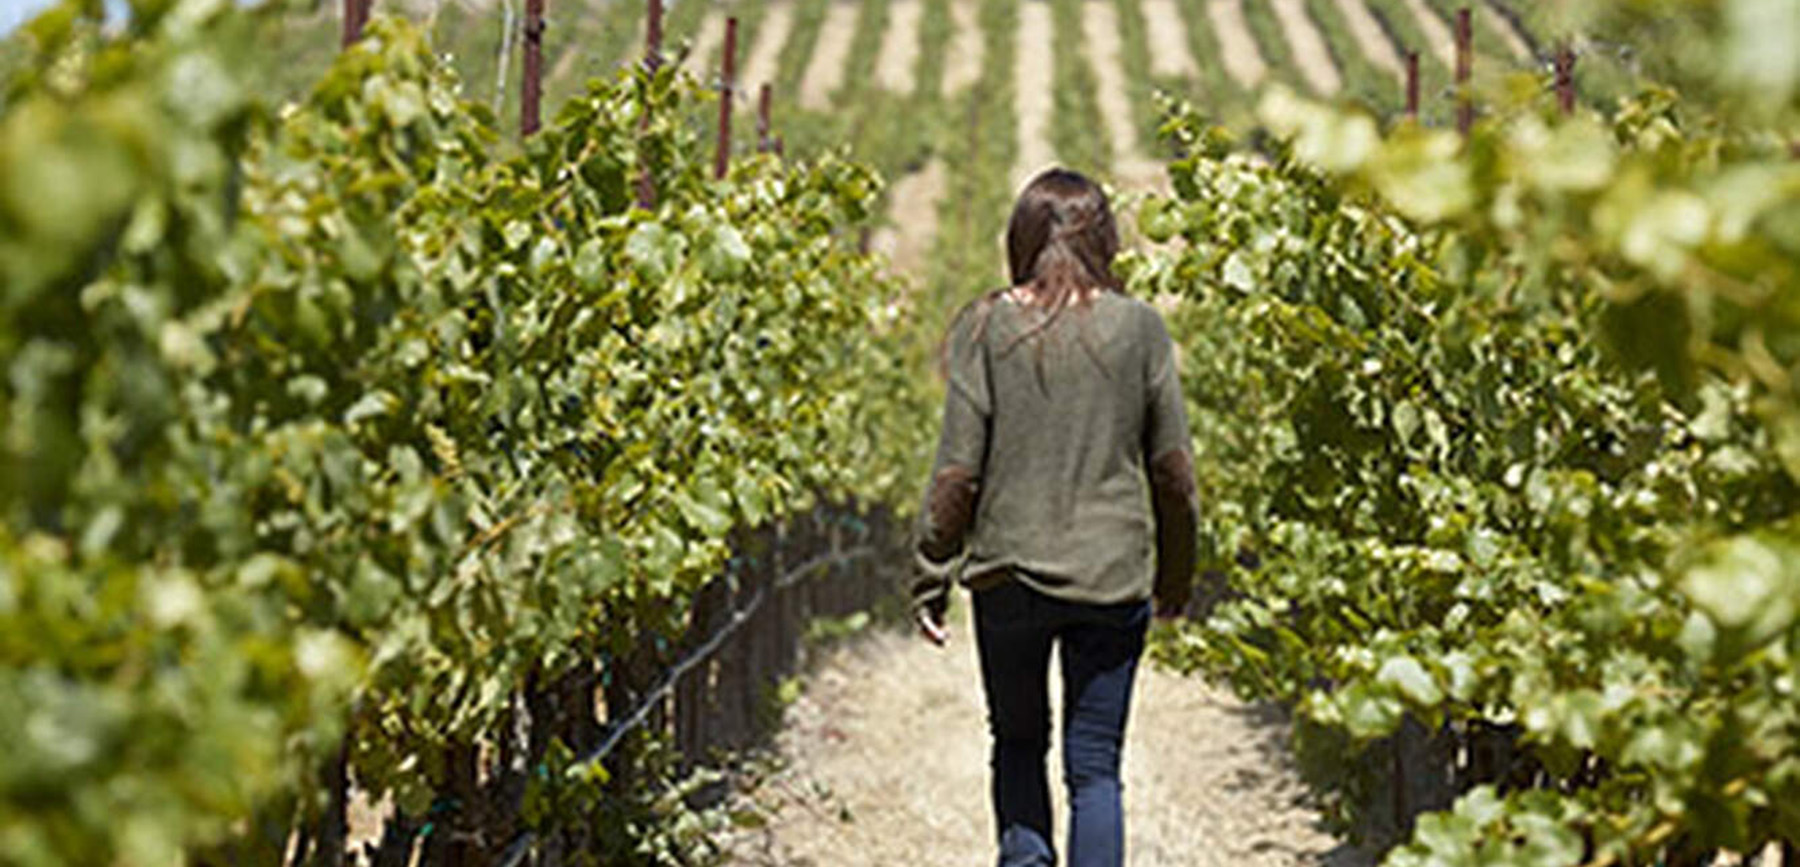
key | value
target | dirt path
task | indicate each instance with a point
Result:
(1033, 71)
(883, 758)
(764, 57)
(825, 69)
(899, 47)
(1242, 60)
(1370, 37)
(1307, 46)
(1168, 38)
(913, 207)
(1100, 26)
(1443, 42)
(886, 764)
(963, 66)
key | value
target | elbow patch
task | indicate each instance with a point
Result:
(1172, 476)
(952, 505)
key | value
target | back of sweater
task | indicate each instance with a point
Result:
(1047, 466)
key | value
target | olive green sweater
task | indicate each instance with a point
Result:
(1064, 459)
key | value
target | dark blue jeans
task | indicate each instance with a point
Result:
(1015, 627)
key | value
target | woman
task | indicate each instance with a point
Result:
(1063, 406)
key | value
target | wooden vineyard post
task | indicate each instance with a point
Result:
(766, 629)
(652, 62)
(1465, 101)
(1565, 79)
(835, 588)
(356, 14)
(740, 666)
(762, 118)
(329, 848)
(1412, 84)
(531, 92)
(784, 631)
(727, 76)
(653, 34)
(464, 839)
(695, 699)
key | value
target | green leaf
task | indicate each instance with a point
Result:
(1762, 54)
(1581, 712)
(1159, 219)
(1405, 420)
(1576, 156)
(1747, 584)
(1460, 667)
(654, 251)
(1369, 713)
(591, 266)
(705, 507)
(206, 91)
(544, 252)
(750, 498)
(1405, 674)
(725, 255)
(371, 405)
(1237, 274)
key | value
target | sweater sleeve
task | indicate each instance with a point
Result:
(1168, 457)
(948, 513)
(1165, 421)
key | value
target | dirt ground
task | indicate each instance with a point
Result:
(883, 761)
(913, 207)
(1166, 33)
(1243, 62)
(1515, 42)
(1033, 71)
(899, 46)
(825, 70)
(1369, 36)
(711, 36)
(1443, 42)
(1307, 46)
(765, 55)
(963, 66)
(1100, 26)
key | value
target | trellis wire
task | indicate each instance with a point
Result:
(516, 851)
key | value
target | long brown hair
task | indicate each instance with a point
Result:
(1060, 243)
(1061, 238)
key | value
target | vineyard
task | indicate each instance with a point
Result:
(489, 431)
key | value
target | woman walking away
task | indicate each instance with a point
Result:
(1064, 453)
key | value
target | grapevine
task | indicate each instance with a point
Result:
(334, 426)
(1497, 453)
